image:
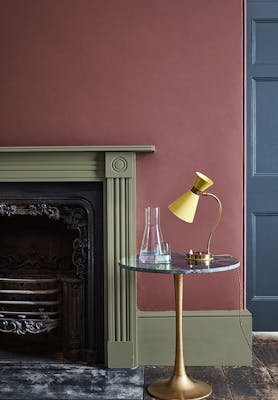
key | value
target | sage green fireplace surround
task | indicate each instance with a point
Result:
(131, 336)
(115, 167)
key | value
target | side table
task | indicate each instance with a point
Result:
(180, 386)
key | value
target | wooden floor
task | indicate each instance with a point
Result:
(235, 383)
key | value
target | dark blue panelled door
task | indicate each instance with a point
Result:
(262, 164)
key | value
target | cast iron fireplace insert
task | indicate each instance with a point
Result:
(52, 270)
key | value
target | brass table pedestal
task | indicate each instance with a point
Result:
(179, 386)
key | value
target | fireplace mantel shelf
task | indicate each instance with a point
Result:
(69, 163)
(120, 148)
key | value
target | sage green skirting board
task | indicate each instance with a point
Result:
(210, 337)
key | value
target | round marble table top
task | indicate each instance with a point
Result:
(179, 265)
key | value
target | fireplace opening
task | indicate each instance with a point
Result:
(51, 271)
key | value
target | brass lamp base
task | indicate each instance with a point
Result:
(180, 388)
(199, 256)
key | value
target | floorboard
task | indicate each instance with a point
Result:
(259, 381)
(251, 382)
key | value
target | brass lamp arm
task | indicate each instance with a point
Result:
(217, 218)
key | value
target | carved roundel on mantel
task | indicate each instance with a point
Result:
(119, 164)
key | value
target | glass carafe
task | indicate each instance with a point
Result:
(153, 248)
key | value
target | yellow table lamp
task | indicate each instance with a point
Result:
(185, 208)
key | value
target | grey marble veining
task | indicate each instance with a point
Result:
(56, 381)
(179, 265)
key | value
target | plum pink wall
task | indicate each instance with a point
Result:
(162, 72)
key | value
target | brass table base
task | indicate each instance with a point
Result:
(180, 388)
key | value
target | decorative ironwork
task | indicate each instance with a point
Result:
(43, 209)
(75, 218)
(34, 320)
(39, 298)
(7, 209)
(80, 256)
(30, 261)
(30, 209)
(23, 326)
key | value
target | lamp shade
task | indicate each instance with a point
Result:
(185, 206)
(202, 182)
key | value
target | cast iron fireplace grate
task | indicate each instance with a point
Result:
(30, 305)
(51, 270)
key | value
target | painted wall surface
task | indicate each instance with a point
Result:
(169, 73)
